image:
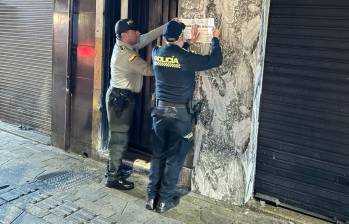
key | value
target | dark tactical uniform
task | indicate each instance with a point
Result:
(127, 71)
(174, 70)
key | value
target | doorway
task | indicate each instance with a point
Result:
(148, 15)
(82, 75)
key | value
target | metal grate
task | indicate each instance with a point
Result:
(303, 144)
(26, 33)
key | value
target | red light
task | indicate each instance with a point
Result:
(85, 51)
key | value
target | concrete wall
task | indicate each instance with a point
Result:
(226, 134)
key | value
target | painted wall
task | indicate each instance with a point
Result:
(226, 134)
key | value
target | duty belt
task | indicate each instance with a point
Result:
(162, 103)
(124, 92)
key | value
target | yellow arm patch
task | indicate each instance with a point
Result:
(132, 58)
(188, 136)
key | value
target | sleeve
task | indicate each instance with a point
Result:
(186, 45)
(198, 62)
(149, 37)
(153, 52)
(138, 65)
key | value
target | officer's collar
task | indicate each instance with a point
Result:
(172, 44)
(120, 43)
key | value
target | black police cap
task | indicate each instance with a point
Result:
(173, 30)
(123, 25)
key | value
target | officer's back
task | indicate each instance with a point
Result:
(175, 67)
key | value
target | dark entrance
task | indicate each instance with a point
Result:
(149, 15)
(303, 144)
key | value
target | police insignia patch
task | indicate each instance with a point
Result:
(132, 58)
(170, 62)
(188, 136)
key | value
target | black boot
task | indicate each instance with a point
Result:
(167, 205)
(120, 184)
(115, 179)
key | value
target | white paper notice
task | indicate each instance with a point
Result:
(205, 27)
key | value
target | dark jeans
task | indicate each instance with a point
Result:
(172, 139)
(119, 126)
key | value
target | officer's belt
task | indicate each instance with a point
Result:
(125, 92)
(161, 103)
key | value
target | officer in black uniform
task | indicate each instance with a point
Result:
(174, 69)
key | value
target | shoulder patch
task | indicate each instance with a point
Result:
(132, 58)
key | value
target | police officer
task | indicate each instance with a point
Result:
(174, 70)
(127, 71)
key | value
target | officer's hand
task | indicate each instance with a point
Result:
(216, 32)
(176, 19)
(194, 34)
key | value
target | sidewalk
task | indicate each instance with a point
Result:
(43, 184)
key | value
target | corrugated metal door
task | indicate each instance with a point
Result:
(26, 62)
(303, 148)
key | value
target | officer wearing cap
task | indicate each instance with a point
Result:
(174, 70)
(127, 71)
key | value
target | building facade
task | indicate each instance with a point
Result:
(275, 117)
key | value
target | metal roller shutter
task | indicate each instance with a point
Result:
(303, 145)
(26, 32)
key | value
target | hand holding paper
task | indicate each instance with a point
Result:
(194, 34)
(205, 28)
(216, 32)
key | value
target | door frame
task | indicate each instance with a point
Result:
(153, 7)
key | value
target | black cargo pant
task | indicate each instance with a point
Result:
(120, 116)
(172, 139)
